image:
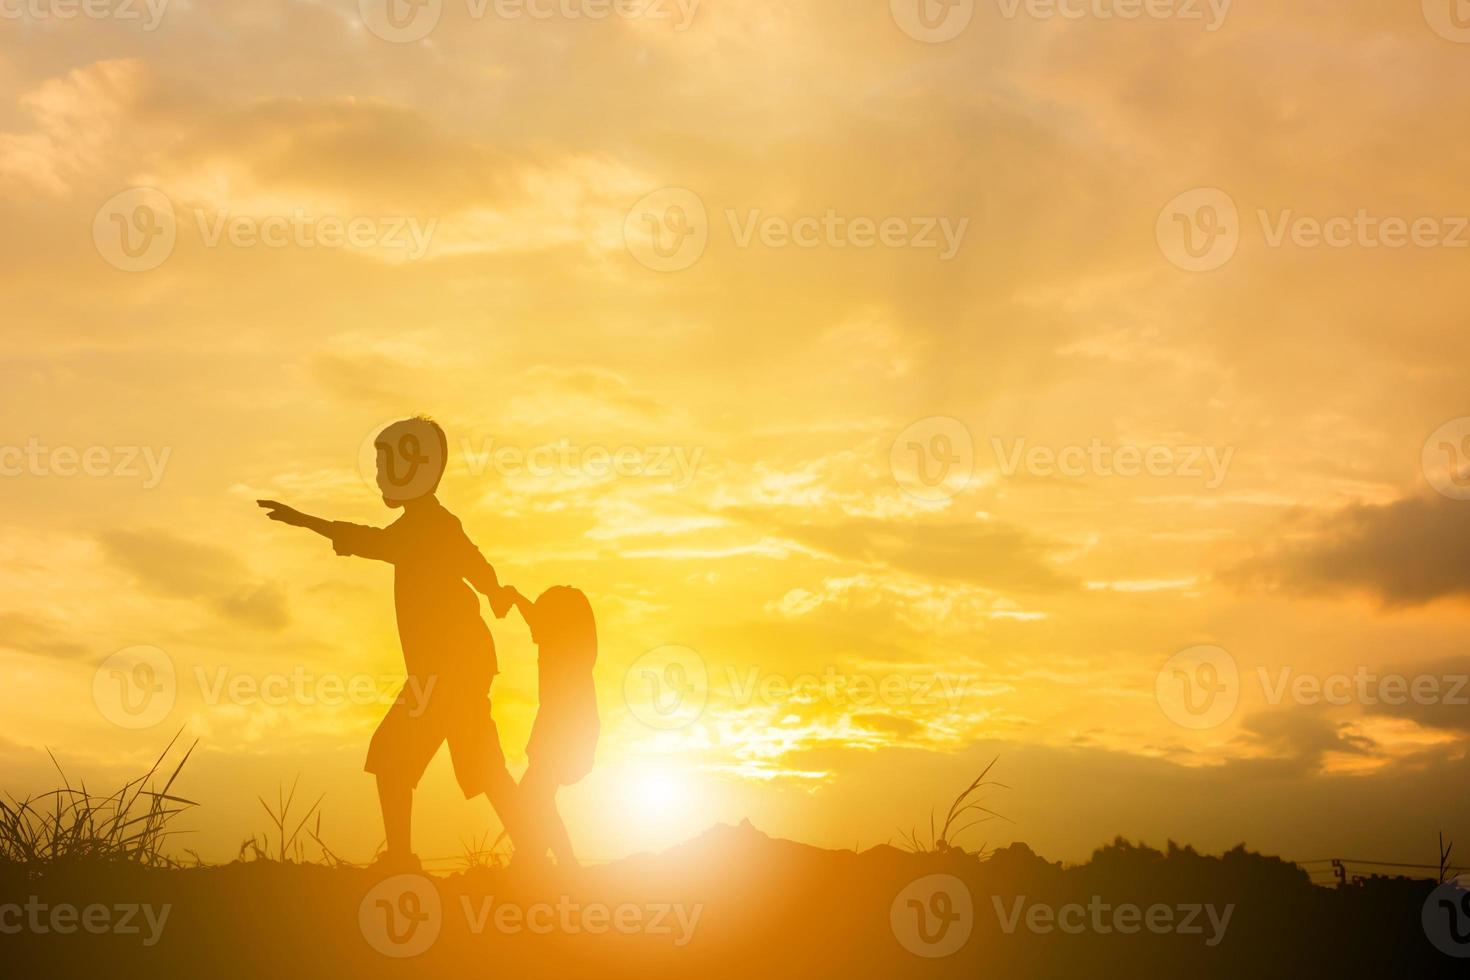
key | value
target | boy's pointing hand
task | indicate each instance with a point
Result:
(280, 512)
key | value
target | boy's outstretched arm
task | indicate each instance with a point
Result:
(277, 511)
(347, 539)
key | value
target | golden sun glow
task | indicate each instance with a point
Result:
(981, 491)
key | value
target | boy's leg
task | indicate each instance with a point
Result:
(479, 763)
(556, 832)
(401, 748)
(504, 797)
(396, 800)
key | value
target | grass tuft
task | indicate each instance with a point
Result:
(480, 855)
(130, 825)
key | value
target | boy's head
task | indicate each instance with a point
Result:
(411, 458)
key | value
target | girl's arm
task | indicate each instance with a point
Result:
(526, 606)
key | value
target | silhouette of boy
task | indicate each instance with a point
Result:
(447, 648)
(564, 735)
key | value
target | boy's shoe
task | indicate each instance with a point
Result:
(524, 862)
(397, 864)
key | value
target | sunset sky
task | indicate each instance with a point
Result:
(882, 253)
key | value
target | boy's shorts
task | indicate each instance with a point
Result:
(410, 734)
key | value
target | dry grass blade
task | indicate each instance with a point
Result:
(943, 838)
(288, 846)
